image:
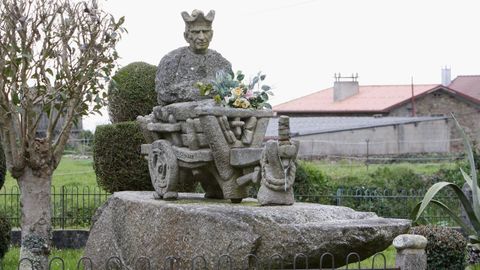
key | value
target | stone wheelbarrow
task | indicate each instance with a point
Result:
(199, 141)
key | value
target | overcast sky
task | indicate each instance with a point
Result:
(300, 44)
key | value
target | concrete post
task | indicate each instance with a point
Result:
(410, 252)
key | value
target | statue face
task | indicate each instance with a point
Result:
(199, 38)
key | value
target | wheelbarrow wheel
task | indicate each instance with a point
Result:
(163, 167)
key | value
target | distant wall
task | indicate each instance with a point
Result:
(443, 103)
(421, 137)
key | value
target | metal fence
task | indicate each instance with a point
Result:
(224, 262)
(389, 203)
(73, 206)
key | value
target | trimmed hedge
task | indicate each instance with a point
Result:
(5, 229)
(310, 182)
(3, 166)
(132, 92)
(446, 247)
(118, 163)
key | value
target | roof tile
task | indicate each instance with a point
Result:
(468, 85)
(371, 98)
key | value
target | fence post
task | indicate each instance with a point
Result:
(338, 197)
(62, 203)
(410, 252)
(367, 141)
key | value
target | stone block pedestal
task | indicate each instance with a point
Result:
(133, 224)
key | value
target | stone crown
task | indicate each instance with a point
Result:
(198, 18)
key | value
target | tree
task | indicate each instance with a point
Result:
(55, 59)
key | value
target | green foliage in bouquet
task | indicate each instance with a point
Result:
(232, 91)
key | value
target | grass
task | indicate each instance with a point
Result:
(69, 256)
(70, 172)
(378, 260)
(73, 205)
(345, 168)
(72, 256)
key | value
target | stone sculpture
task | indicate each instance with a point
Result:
(192, 139)
(278, 168)
(180, 69)
(132, 225)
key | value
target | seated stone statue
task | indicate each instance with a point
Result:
(180, 69)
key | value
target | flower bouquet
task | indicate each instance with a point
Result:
(232, 91)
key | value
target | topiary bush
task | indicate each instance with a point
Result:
(446, 247)
(311, 184)
(132, 92)
(4, 235)
(117, 161)
(3, 166)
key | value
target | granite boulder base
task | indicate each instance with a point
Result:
(132, 225)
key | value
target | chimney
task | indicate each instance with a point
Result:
(446, 76)
(345, 87)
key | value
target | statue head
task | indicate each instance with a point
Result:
(198, 30)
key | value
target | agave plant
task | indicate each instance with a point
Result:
(472, 208)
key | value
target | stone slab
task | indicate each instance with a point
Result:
(181, 110)
(243, 157)
(164, 127)
(187, 155)
(232, 112)
(200, 137)
(145, 149)
(132, 224)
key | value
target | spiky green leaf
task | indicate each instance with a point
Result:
(433, 190)
(473, 171)
(455, 217)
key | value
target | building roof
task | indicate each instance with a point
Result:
(370, 99)
(301, 126)
(468, 85)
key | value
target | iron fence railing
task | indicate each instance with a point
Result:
(74, 206)
(389, 203)
(224, 262)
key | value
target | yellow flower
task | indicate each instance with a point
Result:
(245, 104)
(237, 103)
(237, 92)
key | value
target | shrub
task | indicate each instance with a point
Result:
(396, 178)
(384, 177)
(446, 247)
(310, 183)
(4, 235)
(132, 92)
(118, 163)
(3, 166)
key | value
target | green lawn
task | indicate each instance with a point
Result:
(70, 172)
(378, 260)
(344, 168)
(73, 205)
(72, 256)
(69, 256)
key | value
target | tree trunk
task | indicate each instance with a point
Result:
(36, 222)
